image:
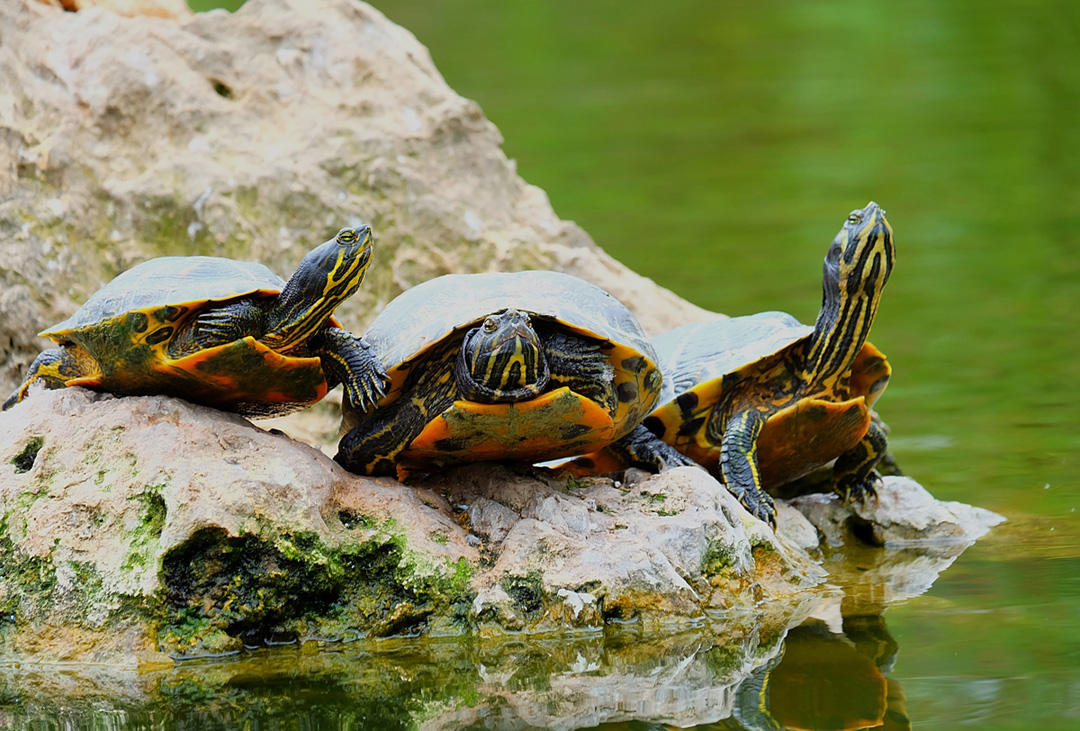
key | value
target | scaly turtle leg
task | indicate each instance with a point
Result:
(581, 365)
(348, 360)
(641, 448)
(219, 326)
(372, 447)
(739, 466)
(854, 475)
(54, 368)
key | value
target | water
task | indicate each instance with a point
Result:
(717, 147)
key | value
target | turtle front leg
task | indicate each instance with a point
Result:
(581, 365)
(739, 465)
(218, 326)
(641, 448)
(54, 368)
(854, 476)
(348, 360)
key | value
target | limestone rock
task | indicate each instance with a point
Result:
(176, 9)
(904, 514)
(254, 135)
(132, 529)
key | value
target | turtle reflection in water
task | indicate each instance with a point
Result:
(221, 332)
(825, 681)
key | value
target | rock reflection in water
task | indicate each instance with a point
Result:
(814, 678)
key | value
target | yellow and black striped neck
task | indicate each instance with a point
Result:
(326, 277)
(856, 269)
(501, 360)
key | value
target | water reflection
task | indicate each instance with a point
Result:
(826, 680)
(816, 676)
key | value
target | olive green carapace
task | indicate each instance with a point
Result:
(220, 332)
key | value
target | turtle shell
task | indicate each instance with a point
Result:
(705, 362)
(126, 327)
(557, 423)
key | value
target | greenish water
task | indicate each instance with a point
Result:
(717, 147)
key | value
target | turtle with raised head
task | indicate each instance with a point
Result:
(762, 400)
(225, 333)
(525, 366)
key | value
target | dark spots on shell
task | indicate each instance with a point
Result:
(169, 313)
(453, 444)
(687, 401)
(655, 425)
(576, 445)
(573, 431)
(693, 426)
(653, 380)
(159, 336)
(627, 392)
(138, 321)
(633, 364)
(585, 462)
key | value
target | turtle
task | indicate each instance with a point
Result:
(762, 400)
(220, 332)
(521, 366)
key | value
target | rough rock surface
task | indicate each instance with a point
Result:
(904, 514)
(133, 525)
(254, 135)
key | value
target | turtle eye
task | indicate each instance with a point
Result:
(489, 325)
(855, 217)
(346, 236)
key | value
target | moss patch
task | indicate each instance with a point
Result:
(24, 460)
(224, 592)
(527, 592)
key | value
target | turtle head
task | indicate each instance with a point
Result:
(861, 256)
(326, 277)
(501, 360)
(857, 267)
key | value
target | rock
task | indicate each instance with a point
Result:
(677, 542)
(904, 514)
(254, 135)
(176, 9)
(138, 529)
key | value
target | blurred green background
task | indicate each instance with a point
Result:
(717, 147)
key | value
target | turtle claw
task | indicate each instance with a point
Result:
(862, 490)
(368, 387)
(674, 458)
(761, 506)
